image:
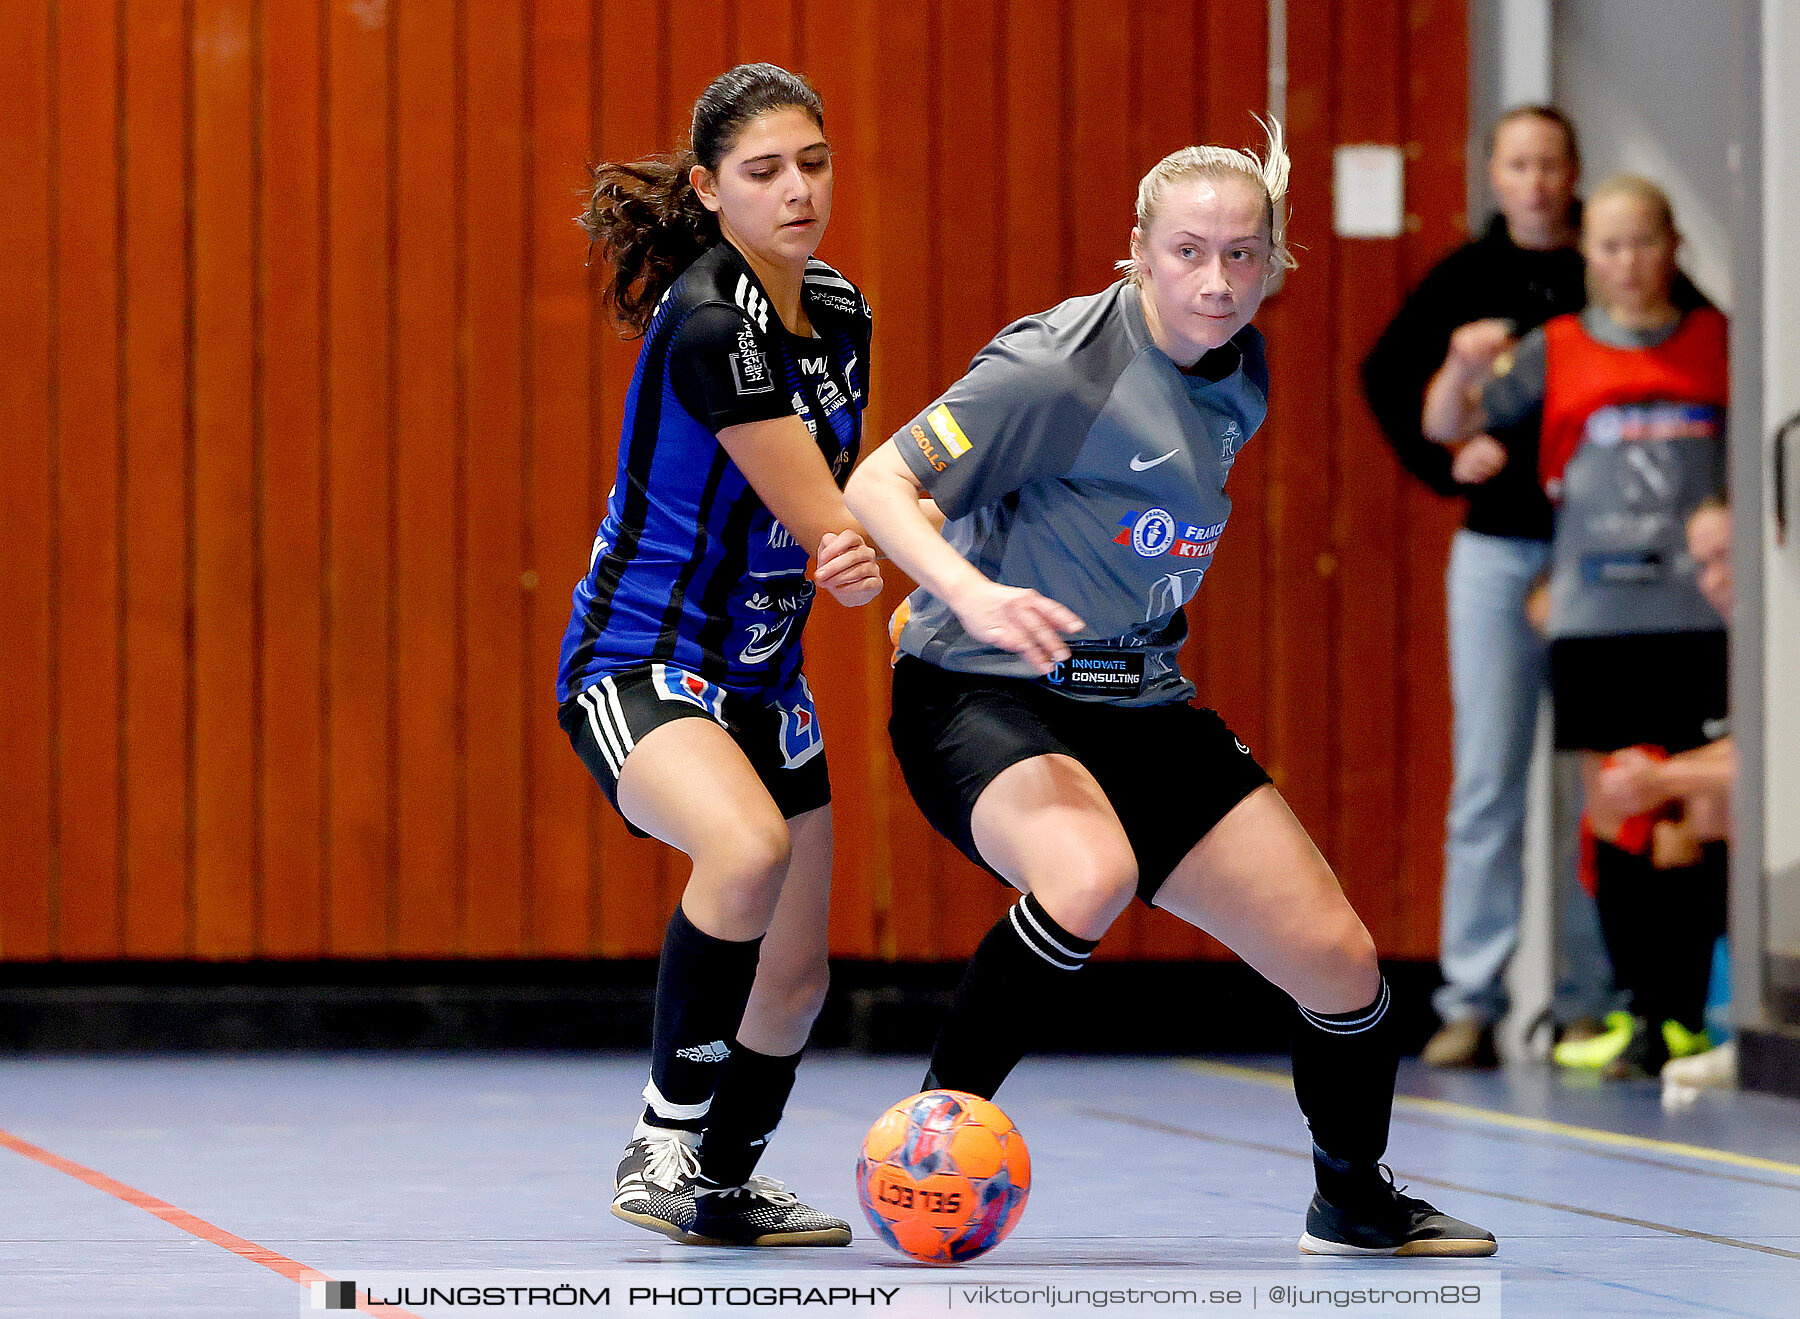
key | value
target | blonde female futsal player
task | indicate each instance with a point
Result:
(1039, 716)
(680, 683)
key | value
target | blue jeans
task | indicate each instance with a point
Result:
(1497, 674)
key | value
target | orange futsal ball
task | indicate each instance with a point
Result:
(943, 1176)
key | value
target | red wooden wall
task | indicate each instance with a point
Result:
(307, 413)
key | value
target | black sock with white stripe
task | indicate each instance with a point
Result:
(1344, 1067)
(747, 1106)
(702, 985)
(1013, 988)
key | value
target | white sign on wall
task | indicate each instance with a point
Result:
(1368, 192)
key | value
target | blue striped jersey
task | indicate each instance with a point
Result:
(689, 567)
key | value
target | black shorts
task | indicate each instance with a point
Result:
(780, 738)
(1657, 688)
(1170, 772)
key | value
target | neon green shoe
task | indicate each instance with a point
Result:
(1682, 1042)
(1596, 1052)
(1650, 1047)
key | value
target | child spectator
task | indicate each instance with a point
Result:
(1631, 395)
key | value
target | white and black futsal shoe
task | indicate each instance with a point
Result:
(654, 1187)
(761, 1212)
(1388, 1222)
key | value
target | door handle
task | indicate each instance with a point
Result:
(1780, 463)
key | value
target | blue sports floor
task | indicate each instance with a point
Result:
(165, 1186)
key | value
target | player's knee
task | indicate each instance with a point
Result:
(1088, 893)
(760, 850)
(1343, 964)
(745, 866)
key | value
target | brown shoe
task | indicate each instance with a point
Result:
(1461, 1044)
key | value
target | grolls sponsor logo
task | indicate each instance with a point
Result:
(925, 447)
(956, 444)
(1156, 532)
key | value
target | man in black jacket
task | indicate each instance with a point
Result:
(1523, 269)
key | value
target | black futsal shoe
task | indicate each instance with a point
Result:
(761, 1212)
(1387, 1222)
(655, 1184)
(1643, 1055)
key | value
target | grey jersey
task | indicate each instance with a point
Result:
(1619, 561)
(1075, 458)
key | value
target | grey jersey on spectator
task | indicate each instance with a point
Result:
(1619, 561)
(1075, 458)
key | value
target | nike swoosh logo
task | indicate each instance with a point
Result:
(1139, 465)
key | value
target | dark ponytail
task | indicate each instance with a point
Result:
(645, 215)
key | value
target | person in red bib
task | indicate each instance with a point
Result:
(1631, 397)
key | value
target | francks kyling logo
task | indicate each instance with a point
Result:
(1156, 532)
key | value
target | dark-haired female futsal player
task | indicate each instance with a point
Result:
(1082, 464)
(680, 681)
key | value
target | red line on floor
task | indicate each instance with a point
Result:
(292, 1270)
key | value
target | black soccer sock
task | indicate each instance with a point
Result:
(746, 1108)
(1013, 987)
(1660, 927)
(702, 985)
(1620, 879)
(1344, 1066)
